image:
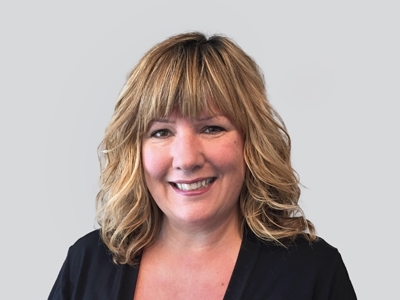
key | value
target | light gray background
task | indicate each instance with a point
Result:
(332, 71)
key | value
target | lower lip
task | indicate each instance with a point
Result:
(194, 192)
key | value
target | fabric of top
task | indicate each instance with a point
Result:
(263, 270)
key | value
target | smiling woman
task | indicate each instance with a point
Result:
(198, 196)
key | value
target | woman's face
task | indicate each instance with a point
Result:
(194, 168)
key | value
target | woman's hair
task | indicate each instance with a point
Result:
(195, 74)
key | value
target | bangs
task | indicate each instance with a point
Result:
(189, 79)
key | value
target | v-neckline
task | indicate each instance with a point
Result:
(245, 263)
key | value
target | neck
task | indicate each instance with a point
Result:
(200, 237)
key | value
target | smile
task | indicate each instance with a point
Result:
(194, 186)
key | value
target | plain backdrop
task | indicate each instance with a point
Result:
(332, 72)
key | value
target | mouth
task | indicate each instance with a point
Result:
(194, 185)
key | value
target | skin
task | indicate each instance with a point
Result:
(177, 152)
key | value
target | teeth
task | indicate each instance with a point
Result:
(194, 186)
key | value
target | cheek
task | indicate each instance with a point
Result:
(155, 162)
(230, 156)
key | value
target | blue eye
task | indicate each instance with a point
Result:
(161, 133)
(213, 129)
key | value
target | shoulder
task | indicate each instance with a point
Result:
(89, 258)
(298, 245)
(316, 254)
(316, 250)
(312, 270)
(89, 242)
(89, 251)
(90, 273)
(300, 256)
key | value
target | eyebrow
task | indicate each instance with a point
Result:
(168, 121)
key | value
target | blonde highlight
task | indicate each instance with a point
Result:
(194, 74)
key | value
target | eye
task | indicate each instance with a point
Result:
(213, 129)
(161, 133)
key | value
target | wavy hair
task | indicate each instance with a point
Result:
(193, 73)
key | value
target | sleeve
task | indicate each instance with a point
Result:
(341, 287)
(60, 290)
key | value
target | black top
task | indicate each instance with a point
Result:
(263, 270)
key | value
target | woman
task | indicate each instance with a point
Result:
(198, 197)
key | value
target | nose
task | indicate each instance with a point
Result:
(187, 152)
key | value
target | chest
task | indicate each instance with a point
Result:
(184, 280)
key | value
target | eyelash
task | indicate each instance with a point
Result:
(164, 133)
(215, 129)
